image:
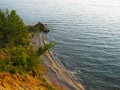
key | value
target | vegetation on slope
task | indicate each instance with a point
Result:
(17, 55)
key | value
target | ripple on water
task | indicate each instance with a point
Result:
(87, 33)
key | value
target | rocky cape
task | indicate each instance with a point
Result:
(40, 26)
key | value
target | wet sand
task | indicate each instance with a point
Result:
(57, 74)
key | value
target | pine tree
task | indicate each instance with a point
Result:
(12, 29)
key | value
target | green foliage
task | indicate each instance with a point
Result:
(19, 59)
(46, 47)
(36, 29)
(12, 29)
(16, 53)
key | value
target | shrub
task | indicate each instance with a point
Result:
(46, 47)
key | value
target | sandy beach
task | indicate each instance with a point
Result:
(57, 74)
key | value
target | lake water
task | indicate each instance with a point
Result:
(87, 33)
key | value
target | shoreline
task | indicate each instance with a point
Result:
(57, 75)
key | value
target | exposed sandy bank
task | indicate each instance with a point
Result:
(57, 74)
(19, 82)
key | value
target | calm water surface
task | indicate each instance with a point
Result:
(87, 33)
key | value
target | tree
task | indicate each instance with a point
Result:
(17, 55)
(12, 29)
(46, 47)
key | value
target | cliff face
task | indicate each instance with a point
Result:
(20, 82)
(57, 75)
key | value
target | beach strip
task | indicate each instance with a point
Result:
(57, 75)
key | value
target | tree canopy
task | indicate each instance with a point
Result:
(17, 55)
(12, 29)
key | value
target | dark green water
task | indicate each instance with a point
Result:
(87, 33)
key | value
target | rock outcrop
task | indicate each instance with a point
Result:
(40, 26)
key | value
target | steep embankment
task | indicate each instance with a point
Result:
(57, 75)
(20, 82)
